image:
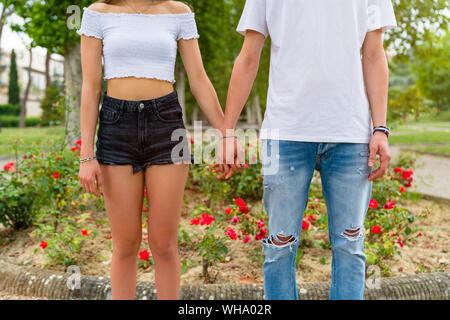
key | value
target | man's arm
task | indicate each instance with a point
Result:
(376, 77)
(242, 78)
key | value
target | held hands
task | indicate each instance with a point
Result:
(230, 157)
(379, 145)
(89, 174)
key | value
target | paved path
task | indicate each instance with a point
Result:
(431, 176)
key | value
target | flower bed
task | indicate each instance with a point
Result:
(221, 227)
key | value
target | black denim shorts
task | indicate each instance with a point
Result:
(142, 133)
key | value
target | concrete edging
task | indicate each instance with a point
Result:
(35, 282)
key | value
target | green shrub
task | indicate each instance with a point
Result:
(32, 121)
(17, 196)
(52, 106)
(9, 109)
(9, 121)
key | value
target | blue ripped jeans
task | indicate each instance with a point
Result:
(288, 168)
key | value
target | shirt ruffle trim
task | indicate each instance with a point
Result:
(126, 75)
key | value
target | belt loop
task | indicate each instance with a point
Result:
(154, 105)
(122, 106)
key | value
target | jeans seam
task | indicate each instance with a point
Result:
(333, 256)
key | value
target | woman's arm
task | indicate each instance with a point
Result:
(91, 62)
(201, 86)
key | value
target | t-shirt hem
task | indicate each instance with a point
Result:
(321, 139)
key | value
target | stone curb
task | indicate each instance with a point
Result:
(35, 282)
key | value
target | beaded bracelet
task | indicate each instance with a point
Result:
(87, 159)
(383, 129)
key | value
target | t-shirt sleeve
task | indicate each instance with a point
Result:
(187, 27)
(91, 24)
(381, 15)
(254, 18)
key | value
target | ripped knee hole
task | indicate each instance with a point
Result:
(280, 240)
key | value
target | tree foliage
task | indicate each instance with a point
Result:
(46, 22)
(13, 89)
(417, 20)
(431, 68)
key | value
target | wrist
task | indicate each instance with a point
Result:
(86, 154)
(227, 131)
(380, 134)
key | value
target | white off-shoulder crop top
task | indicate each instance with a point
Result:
(139, 45)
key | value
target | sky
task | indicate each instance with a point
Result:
(16, 40)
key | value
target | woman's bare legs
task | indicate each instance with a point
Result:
(165, 188)
(123, 195)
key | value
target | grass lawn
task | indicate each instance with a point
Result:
(421, 137)
(444, 150)
(26, 137)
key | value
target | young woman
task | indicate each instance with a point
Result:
(138, 40)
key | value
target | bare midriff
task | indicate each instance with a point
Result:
(132, 88)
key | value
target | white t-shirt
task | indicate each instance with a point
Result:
(316, 86)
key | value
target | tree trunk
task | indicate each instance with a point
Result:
(47, 69)
(181, 89)
(72, 81)
(23, 108)
(194, 116)
(249, 111)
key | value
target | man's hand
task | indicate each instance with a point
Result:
(379, 145)
(230, 157)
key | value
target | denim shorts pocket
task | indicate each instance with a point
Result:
(109, 115)
(169, 112)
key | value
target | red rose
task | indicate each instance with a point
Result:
(243, 209)
(231, 233)
(397, 170)
(260, 223)
(239, 202)
(144, 255)
(56, 175)
(402, 189)
(235, 219)
(407, 174)
(389, 205)
(43, 244)
(195, 221)
(206, 219)
(373, 204)
(144, 208)
(9, 167)
(376, 229)
(262, 232)
(228, 211)
(78, 142)
(246, 239)
(84, 232)
(305, 225)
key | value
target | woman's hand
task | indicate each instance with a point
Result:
(89, 174)
(230, 158)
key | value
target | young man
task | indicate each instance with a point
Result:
(326, 110)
